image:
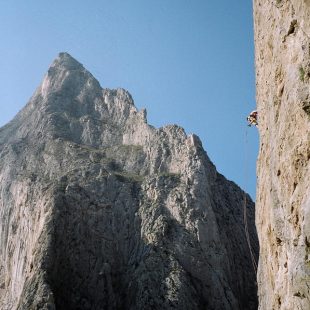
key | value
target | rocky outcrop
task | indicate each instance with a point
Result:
(282, 42)
(99, 210)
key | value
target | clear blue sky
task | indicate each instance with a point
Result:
(187, 62)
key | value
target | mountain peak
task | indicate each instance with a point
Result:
(65, 60)
(66, 73)
(142, 210)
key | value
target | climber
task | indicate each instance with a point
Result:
(252, 119)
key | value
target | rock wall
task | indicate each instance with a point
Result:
(99, 210)
(282, 44)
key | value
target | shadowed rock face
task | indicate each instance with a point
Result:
(282, 42)
(99, 210)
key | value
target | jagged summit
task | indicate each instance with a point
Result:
(65, 60)
(69, 101)
(67, 74)
(100, 210)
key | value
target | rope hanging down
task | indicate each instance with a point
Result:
(245, 220)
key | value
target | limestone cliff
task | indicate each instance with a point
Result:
(99, 210)
(282, 43)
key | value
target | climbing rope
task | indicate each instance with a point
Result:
(245, 219)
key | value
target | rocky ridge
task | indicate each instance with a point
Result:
(282, 44)
(100, 210)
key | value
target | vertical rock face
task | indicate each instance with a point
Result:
(282, 41)
(99, 210)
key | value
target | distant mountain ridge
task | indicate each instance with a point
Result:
(100, 210)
